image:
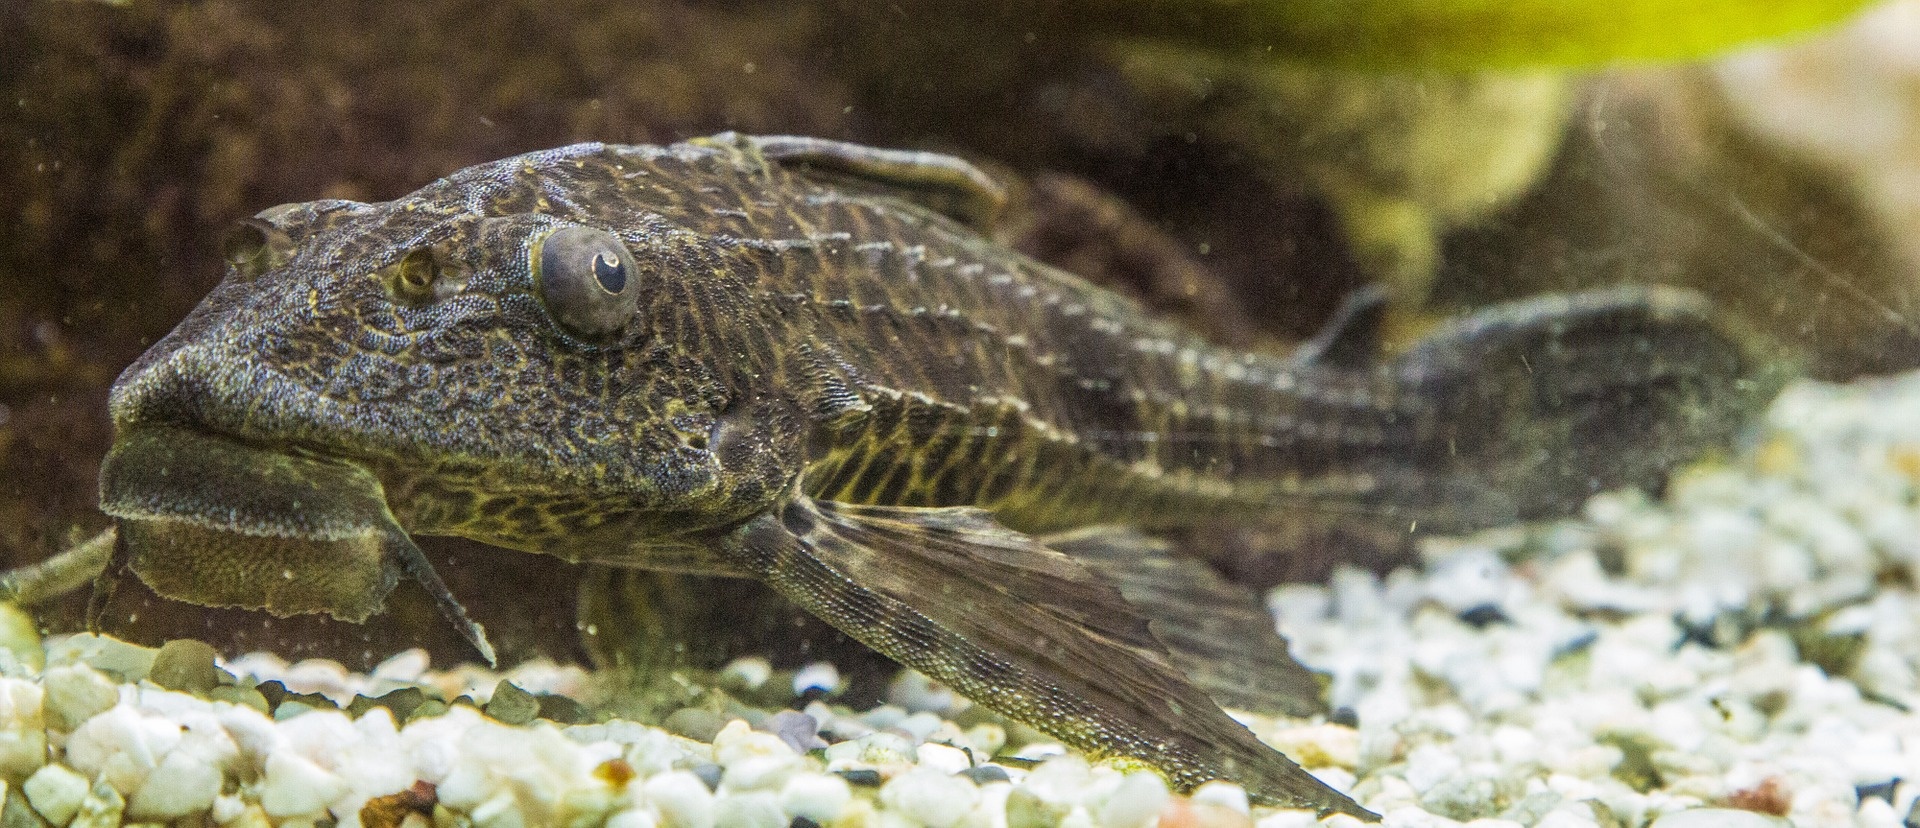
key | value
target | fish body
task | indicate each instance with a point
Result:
(804, 362)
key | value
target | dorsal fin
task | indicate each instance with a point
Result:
(1352, 338)
(941, 183)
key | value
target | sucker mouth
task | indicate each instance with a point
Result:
(217, 521)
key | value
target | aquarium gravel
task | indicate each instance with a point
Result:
(1740, 652)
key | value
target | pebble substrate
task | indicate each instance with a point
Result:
(1744, 650)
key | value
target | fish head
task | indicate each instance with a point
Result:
(497, 355)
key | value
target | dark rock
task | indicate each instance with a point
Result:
(512, 705)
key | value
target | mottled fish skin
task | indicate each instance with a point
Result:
(806, 336)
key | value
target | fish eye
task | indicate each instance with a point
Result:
(586, 280)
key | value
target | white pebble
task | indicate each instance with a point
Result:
(1717, 818)
(682, 799)
(761, 772)
(944, 758)
(1136, 803)
(933, 798)
(121, 746)
(101, 809)
(1223, 793)
(633, 818)
(759, 809)
(124, 661)
(819, 797)
(23, 731)
(818, 676)
(182, 785)
(76, 693)
(502, 810)
(750, 672)
(736, 742)
(295, 787)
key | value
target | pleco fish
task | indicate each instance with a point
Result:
(801, 361)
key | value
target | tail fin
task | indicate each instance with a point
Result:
(1539, 403)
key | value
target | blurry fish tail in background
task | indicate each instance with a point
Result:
(1539, 403)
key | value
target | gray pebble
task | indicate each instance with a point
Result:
(512, 705)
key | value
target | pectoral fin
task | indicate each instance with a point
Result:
(1218, 632)
(1018, 627)
(217, 522)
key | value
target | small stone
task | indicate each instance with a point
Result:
(986, 738)
(986, 774)
(101, 809)
(633, 818)
(558, 708)
(798, 730)
(1482, 616)
(296, 787)
(1717, 818)
(747, 673)
(15, 811)
(1136, 802)
(401, 703)
(1879, 790)
(737, 742)
(243, 696)
(76, 693)
(56, 792)
(684, 801)
(512, 705)
(1225, 794)
(763, 772)
(933, 798)
(695, 723)
(1314, 746)
(879, 748)
(188, 666)
(20, 635)
(709, 774)
(1025, 809)
(123, 661)
(862, 777)
(23, 729)
(499, 811)
(819, 797)
(182, 785)
(820, 678)
(943, 758)
(759, 809)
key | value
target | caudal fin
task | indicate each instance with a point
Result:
(1539, 403)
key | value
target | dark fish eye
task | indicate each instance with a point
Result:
(583, 277)
(610, 271)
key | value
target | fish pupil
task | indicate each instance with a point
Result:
(610, 272)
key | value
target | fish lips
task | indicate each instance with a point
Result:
(217, 521)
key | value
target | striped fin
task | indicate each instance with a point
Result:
(1019, 628)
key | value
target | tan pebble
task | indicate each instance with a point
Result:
(76, 693)
(253, 817)
(21, 636)
(23, 731)
(101, 808)
(56, 791)
(1778, 457)
(186, 665)
(1319, 746)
